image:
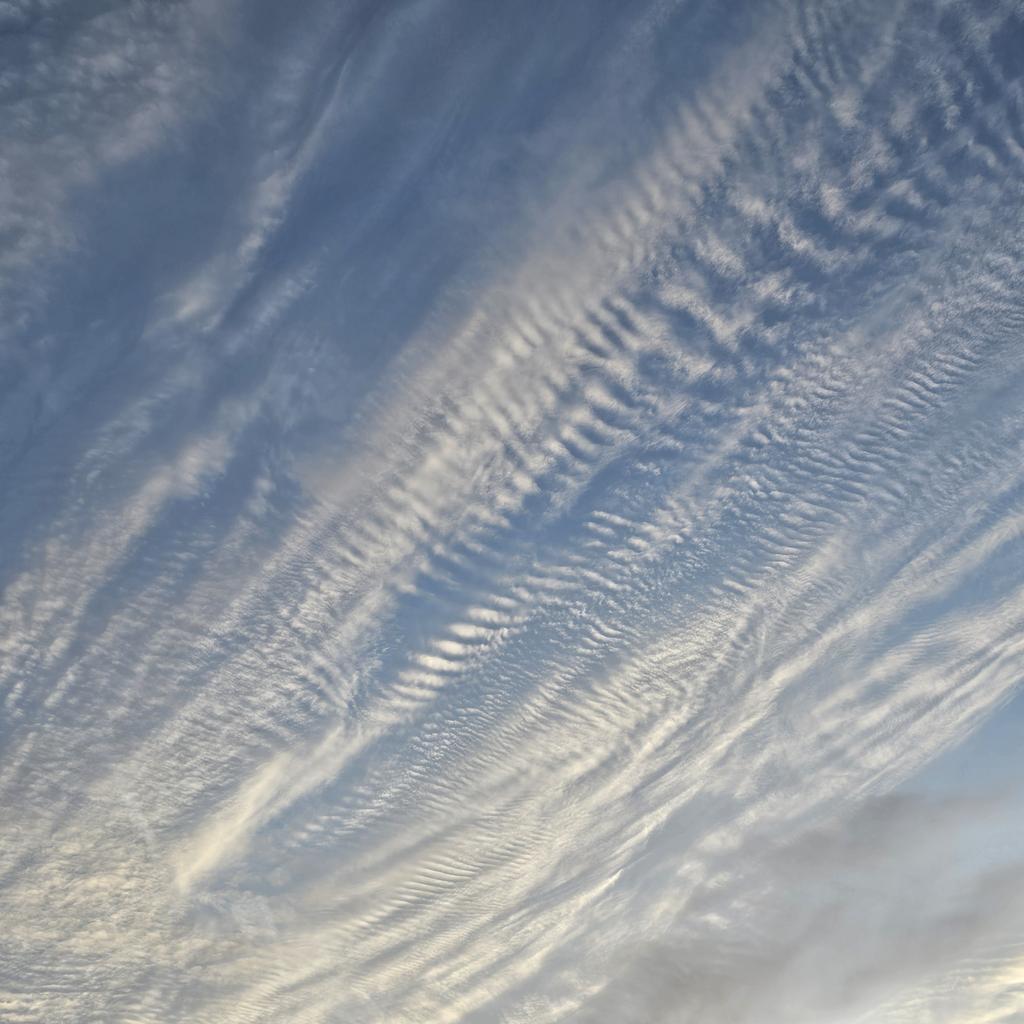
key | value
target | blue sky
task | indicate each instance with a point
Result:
(511, 512)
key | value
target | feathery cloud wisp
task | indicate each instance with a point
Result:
(510, 512)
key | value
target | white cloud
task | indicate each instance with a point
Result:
(527, 613)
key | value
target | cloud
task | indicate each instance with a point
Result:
(502, 508)
(836, 923)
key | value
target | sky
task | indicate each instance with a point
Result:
(511, 512)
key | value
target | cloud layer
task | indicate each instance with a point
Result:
(508, 509)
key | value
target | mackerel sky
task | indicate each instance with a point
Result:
(511, 512)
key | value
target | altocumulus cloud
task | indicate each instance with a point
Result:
(511, 512)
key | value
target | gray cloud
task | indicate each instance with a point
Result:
(840, 922)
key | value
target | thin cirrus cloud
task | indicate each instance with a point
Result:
(511, 512)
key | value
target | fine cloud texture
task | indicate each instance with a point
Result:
(511, 512)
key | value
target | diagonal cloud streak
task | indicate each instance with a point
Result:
(511, 513)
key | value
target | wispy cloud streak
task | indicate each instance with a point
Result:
(508, 510)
